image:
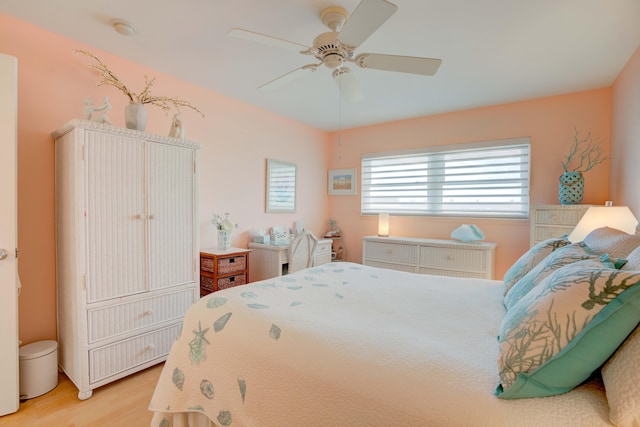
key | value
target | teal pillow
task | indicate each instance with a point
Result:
(565, 328)
(556, 260)
(530, 259)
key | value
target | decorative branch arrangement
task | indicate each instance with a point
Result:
(587, 150)
(108, 78)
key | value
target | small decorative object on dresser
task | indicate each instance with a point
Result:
(583, 156)
(223, 269)
(467, 233)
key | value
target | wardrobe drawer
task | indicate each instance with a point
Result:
(113, 320)
(123, 355)
(450, 258)
(391, 252)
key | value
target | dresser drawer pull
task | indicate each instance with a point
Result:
(150, 347)
(148, 312)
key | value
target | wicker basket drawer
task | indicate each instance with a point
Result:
(232, 264)
(231, 281)
(206, 264)
(206, 283)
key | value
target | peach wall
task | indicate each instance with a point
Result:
(549, 122)
(625, 135)
(236, 140)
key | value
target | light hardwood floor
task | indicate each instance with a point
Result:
(121, 403)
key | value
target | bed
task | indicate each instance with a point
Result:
(350, 345)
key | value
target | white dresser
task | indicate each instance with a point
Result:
(269, 261)
(126, 248)
(430, 256)
(547, 221)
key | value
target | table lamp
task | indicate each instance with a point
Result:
(618, 217)
(383, 224)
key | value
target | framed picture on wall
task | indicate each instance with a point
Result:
(281, 186)
(343, 182)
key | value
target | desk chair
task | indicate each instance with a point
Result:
(302, 251)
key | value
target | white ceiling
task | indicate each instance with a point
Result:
(493, 51)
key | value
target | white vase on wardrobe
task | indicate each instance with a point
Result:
(135, 116)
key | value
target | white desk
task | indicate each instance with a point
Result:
(268, 261)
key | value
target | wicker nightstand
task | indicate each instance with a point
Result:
(223, 269)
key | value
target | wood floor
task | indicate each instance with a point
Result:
(121, 403)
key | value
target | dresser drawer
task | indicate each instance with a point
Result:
(323, 248)
(558, 217)
(454, 259)
(110, 321)
(544, 233)
(123, 355)
(391, 252)
(389, 266)
(454, 273)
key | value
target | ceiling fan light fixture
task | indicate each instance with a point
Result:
(123, 27)
(333, 61)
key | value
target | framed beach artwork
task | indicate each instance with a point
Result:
(343, 182)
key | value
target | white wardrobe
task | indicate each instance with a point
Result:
(126, 248)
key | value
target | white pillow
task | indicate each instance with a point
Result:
(621, 377)
(612, 241)
(633, 260)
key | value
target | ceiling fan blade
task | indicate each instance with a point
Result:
(403, 64)
(286, 78)
(348, 85)
(267, 40)
(365, 20)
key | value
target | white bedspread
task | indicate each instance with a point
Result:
(350, 345)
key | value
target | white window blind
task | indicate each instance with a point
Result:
(489, 179)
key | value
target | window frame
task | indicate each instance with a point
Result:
(521, 208)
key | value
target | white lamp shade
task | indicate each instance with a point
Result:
(618, 217)
(383, 224)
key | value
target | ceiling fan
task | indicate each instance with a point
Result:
(336, 48)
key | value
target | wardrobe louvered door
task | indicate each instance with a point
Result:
(170, 213)
(126, 248)
(115, 174)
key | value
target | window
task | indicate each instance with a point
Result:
(488, 179)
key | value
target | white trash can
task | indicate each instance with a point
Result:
(38, 368)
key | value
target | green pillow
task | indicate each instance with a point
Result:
(530, 259)
(556, 260)
(565, 328)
